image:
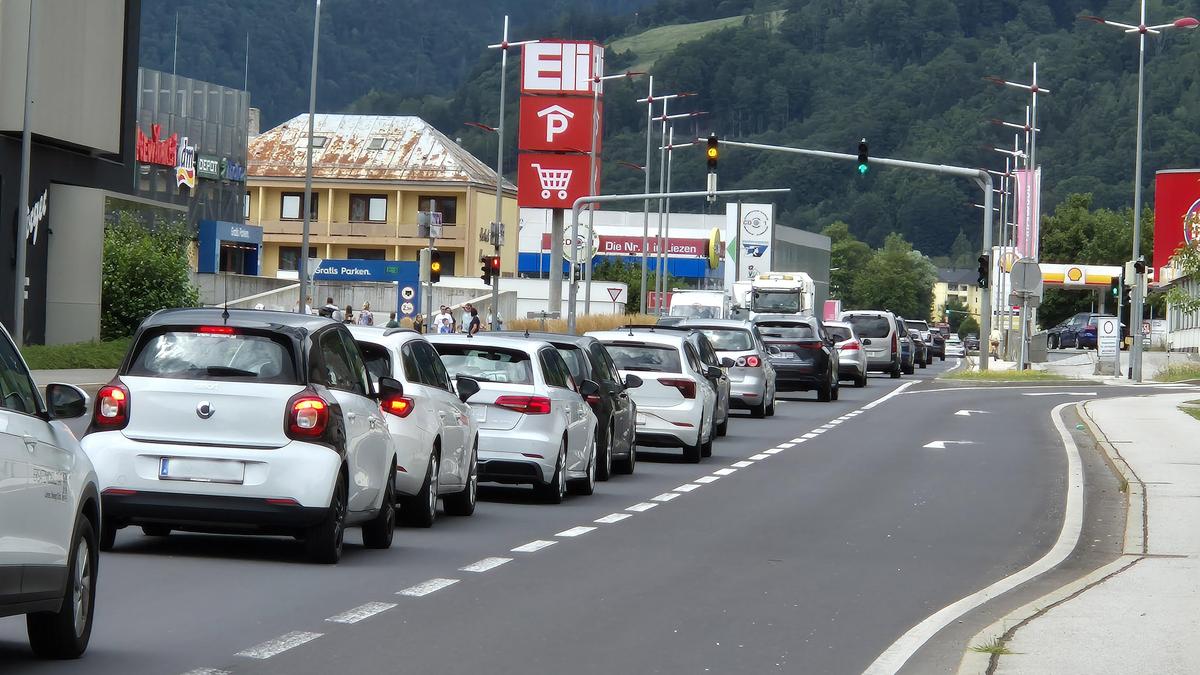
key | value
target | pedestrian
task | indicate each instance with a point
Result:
(308, 309)
(330, 310)
(349, 318)
(473, 326)
(365, 316)
(446, 327)
(393, 323)
(466, 318)
(418, 322)
(442, 317)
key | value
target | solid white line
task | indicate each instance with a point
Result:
(687, 487)
(759, 457)
(361, 612)
(644, 506)
(426, 587)
(723, 472)
(893, 393)
(708, 479)
(1060, 393)
(665, 497)
(613, 518)
(773, 451)
(895, 656)
(742, 464)
(204, 671)
(279, 645)
(575, 531)
(485, 565)
(533, 546)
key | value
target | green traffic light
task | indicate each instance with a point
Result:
(862, 169)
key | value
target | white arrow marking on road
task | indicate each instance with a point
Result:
(941, 445)
(968, 413)
(1061, 393)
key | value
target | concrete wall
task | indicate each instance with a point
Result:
(73, 265)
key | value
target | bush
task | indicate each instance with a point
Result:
(104, 355)
(145, 269)
(583, 324)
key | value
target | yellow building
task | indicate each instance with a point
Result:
(371, 174)
(955, 284)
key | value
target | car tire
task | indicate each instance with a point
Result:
(420, 510)
(825, 392)
(605, 459)
(860, 381)
(922, 363)
(942, 357)
(325, 540)
(908, 370)
(587, 485)
(723, 427)
(771, 408)
(758, 411)
(156, 530)
(693, 453)
(626, 466)
(895, 371)
(64, 634)
(707, 448)
(108, 536)
(377, 532)
(554, 491)
(462, 503)
(835, 389)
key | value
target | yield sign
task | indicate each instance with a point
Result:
(615, 293)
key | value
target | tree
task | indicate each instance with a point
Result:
(847, 257)
(962, 254)
(968, 326)
(145, 269)
(1187, 260)
(615, 269)
(897, 279)
(955, 311)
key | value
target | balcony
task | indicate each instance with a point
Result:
(376, 230)
(372, 233)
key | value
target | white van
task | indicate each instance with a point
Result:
(699, 305)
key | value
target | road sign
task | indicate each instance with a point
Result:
(560, 124)
(407, 309)
(615, 293)
(1026, 276)
(1108, 332)
(551, 181)
(408, 292)
(429, 224)
(549, 67)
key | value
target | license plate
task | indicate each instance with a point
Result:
(201, 470)
(785, 355)
(641, 419)
(479, 413)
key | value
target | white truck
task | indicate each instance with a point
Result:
(699, 305)
(775, 293)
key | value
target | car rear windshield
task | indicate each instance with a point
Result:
(870, 325)
(917, 325)
(650, 358)
(487, 364)
(695, 311)
(838, 333)
(223, 354)
(801, 331)
(729, 340)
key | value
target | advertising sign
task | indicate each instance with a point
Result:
(233, 170)
(185, 164)
(1176, 212)
(549, 67)
(1108, 331)
(557, 123)
(208, 167)
(551, 181)
(153, 150)
(751, 240)
(1028, 217)
(632, 246)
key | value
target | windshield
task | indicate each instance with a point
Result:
(801, 331)
(190, 355)
(917, 325)
(651, 358)
(732, 340)
(869, 325)
(775, 302)
(838, 333)
(487, 364)
(695, 310)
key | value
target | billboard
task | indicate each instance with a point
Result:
(1029, 209)
(565, 68)
(749, 240)
(1176, 212)
(557, 124)
(551, 181)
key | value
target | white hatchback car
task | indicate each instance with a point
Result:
(534, 424)
(676, 403)
(852, 356)
(436, 437)
(49, 512)
(245, 421)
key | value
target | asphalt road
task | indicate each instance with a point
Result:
(808, 543)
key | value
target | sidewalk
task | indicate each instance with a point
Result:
(1083, 365)
(88, 379)
(1138, 614)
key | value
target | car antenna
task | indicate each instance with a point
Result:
(225, 311)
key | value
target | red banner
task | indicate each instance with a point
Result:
(1176, 212)
(558, 124)
(550, 67)
(632, 246)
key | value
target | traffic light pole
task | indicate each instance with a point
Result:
(981, 177)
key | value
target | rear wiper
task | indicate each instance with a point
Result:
(642, 369)
(226, 370)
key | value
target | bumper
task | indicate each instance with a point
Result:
(670, 427)
(798, 378)
(514, 457)
(879, 361)
(748, 391)
(851, 368)
(208, 512)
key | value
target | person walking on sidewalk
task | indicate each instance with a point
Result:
(474, 324)
(365, 316)
(393, 323)
(419, 323)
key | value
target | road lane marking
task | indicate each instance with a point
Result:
(968, 413)
(795, 441)
(895, 656)
(361, 612)
(644, 506)
(808, 436)
(665, 497)
(576, 531)
(834, 423)
(785, 446)
(773, 451)
(533, 546)
(815, 432)
(266, 650)
(613, 518)
(742, 464)
(207, 671)
(724, 472)
(891, 394)
(941, 445)
(687, 487)
(707, 479)
(485, 565)
(759, 457)
(1059, 393)
(426, 587)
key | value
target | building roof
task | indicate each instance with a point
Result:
(366, 147)
(957, 276)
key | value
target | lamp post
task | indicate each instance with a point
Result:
(18, 326)
(665, 230)
(1135, 310)
(308, 168)
(649, 101)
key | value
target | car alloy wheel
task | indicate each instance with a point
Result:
(433, 486)
(81, 587)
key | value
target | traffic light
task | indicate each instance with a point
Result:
(1139, 266)
(864, 158)
(713, 153)
(1126, 296)
(490, 266)
(985, 270)
(1114, 288)
(435, 266)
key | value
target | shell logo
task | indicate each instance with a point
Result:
(1074, 274)
(1007, 259)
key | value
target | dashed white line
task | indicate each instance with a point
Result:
(708, 479)
(426, 587)
(785, 446)
(644, 506)
(724, 472)
(760, 456)
(687, 487)
(613, 518)
(796, 440)
(818, 430)
(773, 451)
(836, 422)
(207, 671)
(279, 645)
(742, 464)
(361, 612)
(533, 546)
(575, 531)
(808, 436)
(665, 497)
(485, 565)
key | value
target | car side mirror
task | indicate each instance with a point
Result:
(66, 401)
(389, 387)
(466, 386)
(714, 372)
(589, 388)
(727, 362)
(632, 381)
(866, 341)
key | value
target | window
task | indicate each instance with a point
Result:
(290, 206)
(487, 364)
(707, 355)
(433, 373)
(729, 339)
(870, 325)
(378, 359)
(576, 361)
(366, 254)
(412, 370)
(17, 392)
(368, 209)
(246, 207)
(377, 144)
(193, 355)
(693, 359)
(448, 206)
(318, 141)
(336, 370)
(289, 257)
(839, 333)
(642, 357)
(602, 366)
(555, 370)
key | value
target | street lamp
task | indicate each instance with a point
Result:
(308, 168)
(1135, 310)
(664, 233)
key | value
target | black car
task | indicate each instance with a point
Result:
(921, 355)
(616, 413)
(937, 345)
(803, 356)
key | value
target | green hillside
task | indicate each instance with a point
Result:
(649, 45)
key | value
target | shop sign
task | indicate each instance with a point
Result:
(632, 246)
(185, 165)
(37, 213)
(153, 150)
(233, 170)
(208, 167)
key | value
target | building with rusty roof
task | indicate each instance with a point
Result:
(371, 175)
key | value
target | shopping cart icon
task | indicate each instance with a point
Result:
(553, 180)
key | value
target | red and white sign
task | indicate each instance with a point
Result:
(1176, 212)
(632, 246)
(551, 181)
(153, 150)
(1029, 209)
(560, 67)
(616, 293)
(557, 123)
(652, 300)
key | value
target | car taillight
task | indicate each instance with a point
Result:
(895, 342)
(527, 405)
(808, 345)
(849, 346)
(400, 406)
(112, 407)
(686, 387)
(307, 415)
(749, 361)
(593, 400)
(217, 330)
(1090, 326)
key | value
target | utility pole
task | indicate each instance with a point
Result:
(18, 332)
(308, 169)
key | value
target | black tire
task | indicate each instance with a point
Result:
(693, 453)
(378, 532)
(942, 357)
(587, 485)
(420, 510)
(860, 381)
(825, 392)
(156, 530)
(604, 461)
(908, 370)
(758, 411)
(895, 371)
(723, 427)
(626, 466)
(707, 448)
(108, 536)
(325, 540)
(922, 363)
(462, 503)
(554, 491)
(64, 634)
(771, 408)
(835, 390)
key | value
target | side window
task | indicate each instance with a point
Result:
(439, 368)
(605, 369)
(336, 371)
(433, 373)
(549, 358)
(16, 387)
(692, 359)
(379, 359)
(564, 373)
(708, 356)
(409, 359)
(361, 381)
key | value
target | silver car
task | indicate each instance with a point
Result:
(877, 332)
(852, 357)
(752, 377)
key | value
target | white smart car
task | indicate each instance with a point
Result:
(246, 421)
(436, 438)
(676, 403)
(49, 512)
(535, 425)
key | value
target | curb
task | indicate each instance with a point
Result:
(1133, 550)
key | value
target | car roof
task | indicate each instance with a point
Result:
(263, 319)
(552, 338)
(485, 340)
(666, 337)
(715, 323)
(839, 324)
(784, 318)
(384, 336)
